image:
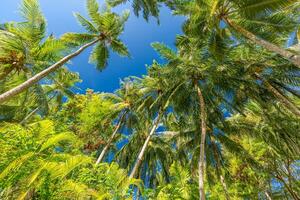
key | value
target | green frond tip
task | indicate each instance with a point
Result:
(61, 170)
(125, 15)
(30, 11)
(15, 165)
(114, 3)
(99, 56)
(77, 39)
(93, 10)
(119, 47)
(86, 23)
(164, 51)
(77, 190)
(54, 140)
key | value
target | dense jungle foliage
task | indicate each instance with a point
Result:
(218, 119)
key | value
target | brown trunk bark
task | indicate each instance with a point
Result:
(202, 144)
(295, 59)
(30, 82)
(285, 101)
(142, 152)
(105, 149)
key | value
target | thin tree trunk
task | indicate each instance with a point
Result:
(31, 81)
(142, 152)
(29, 116)
(223, 183)
(103, 152)
(268, 195)
(285, 101)
(295, 59)
(202, 144)
(289, 189)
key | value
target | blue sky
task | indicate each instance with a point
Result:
(138, 36)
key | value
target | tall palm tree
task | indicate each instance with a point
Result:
(202, 84)
(257, 21)
(103, 29)
(157, 157)
(25, 50)
(156, 94)
(191, 73)
(125, 100)
(150, 91)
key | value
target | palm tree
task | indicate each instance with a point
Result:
(125, 100)
(103, 30)
(190, 73)
(157, 157)
(145, 145)
(270, 125)
(272, 74)
(150, 90)
(198, 72)
(25, 50)
(53, 93)
(156, 95)
(260, 22)
(149, 8)
(254, 20)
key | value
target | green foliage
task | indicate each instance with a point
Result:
(88, 115)
(104, 26)
(222, 65)
(110, 180)
(181, 186)
(34, 149)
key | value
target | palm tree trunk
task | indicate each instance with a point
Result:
(202, 144)
(295, 59)
(142, 152)
(268, 195)
(285, 101)
(103, 152)
(30, 82)
(288, 188)
(223, 183)
(29, 116)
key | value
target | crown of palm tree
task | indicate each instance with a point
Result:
(103, 25)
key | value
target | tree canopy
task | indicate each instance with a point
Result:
(217, 118)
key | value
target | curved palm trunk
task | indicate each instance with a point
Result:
(295, 59)
(202, 144)
(142, 152)
(105, 149)
(285, 101)
(30, 82)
